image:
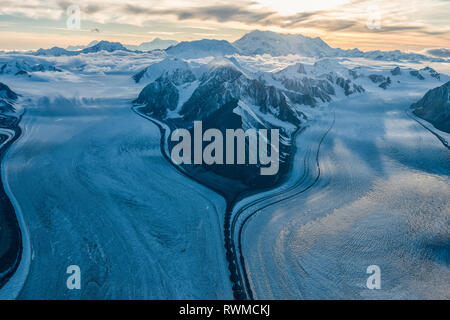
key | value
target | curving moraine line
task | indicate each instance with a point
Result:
(248, 291)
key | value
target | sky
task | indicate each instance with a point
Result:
(408, 25)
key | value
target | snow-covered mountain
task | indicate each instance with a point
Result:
(202, 48)
(321, 81)
(218, 84)
(296, 85)
(318, 82)
(24, 66)
(434, 107)
(300, 84)
(76, 48)
(97, 47)
(154, 71)
(395, 55)
(276, 44)
(155, 44)
(224, 94)
(254, 43)
(353, 132)
(398, 76)
(422, 74)
(105, 46)
(223, 97)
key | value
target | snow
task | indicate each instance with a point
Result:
(266, 120)
(259, 42)
(152, 45)
(155, 70)
(93, 187)
(445, 136)
(12, 288)
(275, 44)
(382, 198)
(90, 186)
(185, 91)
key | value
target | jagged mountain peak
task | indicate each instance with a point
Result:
(171, 65)
(54, 51)
(155, 44)
(223, 71)
(7, 98)
(25, 65)
(319, 68)
(281, 44)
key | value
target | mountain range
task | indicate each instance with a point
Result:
(155, 44)
(254, 43)
(7, 98)
(352, 164)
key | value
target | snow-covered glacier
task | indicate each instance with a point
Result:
(95, 191)
(365, 181)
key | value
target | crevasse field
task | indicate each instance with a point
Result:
(369, 186)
